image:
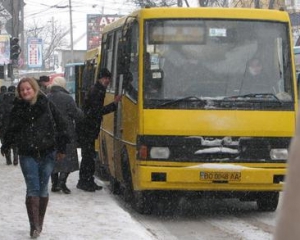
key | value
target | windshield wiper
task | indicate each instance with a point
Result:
(256, 95)
(193, 98)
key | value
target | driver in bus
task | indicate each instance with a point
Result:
(255, 79)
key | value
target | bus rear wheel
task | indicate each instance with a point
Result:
(114, 185)
(102, 170)
(268, 201)
(141, 202)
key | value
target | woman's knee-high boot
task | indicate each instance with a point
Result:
(43, 208)
(32, 205)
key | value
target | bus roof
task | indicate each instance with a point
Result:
(215, 13)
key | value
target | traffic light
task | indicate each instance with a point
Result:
(15, 48)
(9, 70)
(1, 72)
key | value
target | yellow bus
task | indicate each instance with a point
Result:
(89, 73)
(297, 66)
(190, 121)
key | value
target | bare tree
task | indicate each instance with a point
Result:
(213, 3)
(271, 4)
(242, 3)
(52, 33)
(154, 3)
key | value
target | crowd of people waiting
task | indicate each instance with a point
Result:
(43, 127)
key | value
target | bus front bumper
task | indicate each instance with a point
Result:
(209, 177)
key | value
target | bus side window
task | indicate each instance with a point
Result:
(88, 76)
(131, 77)
(131, 86)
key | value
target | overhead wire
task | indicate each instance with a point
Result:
(36, 9)
(76, 7)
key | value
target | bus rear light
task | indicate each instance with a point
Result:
(160, 152)
(143, 152)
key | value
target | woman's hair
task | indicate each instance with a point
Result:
(33, 83)
(58, 81)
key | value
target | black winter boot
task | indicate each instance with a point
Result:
(62, 183)
(8, 158)
(55, 183)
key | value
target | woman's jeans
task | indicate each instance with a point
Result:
(37, 172)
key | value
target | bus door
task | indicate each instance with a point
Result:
(118, 131)
(125, 70)
(118, 113)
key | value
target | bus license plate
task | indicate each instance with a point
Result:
(220, 176)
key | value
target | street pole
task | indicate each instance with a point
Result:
(71, 32)
(15, 18)
(15, 34)
(23, 54)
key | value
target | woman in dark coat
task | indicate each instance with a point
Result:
(67, 106)
(37, 128)
(5, 108)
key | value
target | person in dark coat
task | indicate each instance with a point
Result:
(89, 129)
(5, 108)
(67, 106)
(43, 82)
(37, 128)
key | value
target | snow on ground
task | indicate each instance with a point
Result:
(77, 216)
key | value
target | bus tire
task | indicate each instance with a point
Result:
(114, 185)
(141, 202)
(100, 171)
(267, 201)
(101, 167)
(126, 175)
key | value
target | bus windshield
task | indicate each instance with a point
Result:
(216, 59)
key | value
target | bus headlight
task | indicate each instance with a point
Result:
(279, 154)
(160, 152)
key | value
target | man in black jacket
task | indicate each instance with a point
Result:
(89, 128)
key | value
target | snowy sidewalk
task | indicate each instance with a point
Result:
(79, 215)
